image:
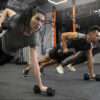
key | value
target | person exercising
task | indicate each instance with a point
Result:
(21, 32)
(86, 46)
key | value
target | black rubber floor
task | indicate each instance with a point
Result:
(70, 86)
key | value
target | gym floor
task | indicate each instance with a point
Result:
(69, 86)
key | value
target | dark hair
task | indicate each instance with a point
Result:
(29, 12)
(26, 16)
(94, 29)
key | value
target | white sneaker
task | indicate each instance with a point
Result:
(60, 69)
(71, 68)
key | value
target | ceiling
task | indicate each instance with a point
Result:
(68, 4)
(44, 4)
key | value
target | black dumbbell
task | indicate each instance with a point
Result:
(49, 92)
(97, 77)
(86, 77)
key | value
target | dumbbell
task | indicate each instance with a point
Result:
(49, 92)
(86, 77)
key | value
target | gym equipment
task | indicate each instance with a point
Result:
(86, 77)
(49, 92)
(97, 77)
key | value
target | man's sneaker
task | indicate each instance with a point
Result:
(60, 69)
(71, 68)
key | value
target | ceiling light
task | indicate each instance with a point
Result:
(57, 3)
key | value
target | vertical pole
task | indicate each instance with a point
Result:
(74, 15)
(54, 25)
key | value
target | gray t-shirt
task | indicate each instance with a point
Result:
(81, 35)
(13, 41)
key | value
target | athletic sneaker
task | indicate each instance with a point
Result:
(71, 68)
(60, 69)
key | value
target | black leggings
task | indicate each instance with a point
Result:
(83, 56)
(4, 58)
